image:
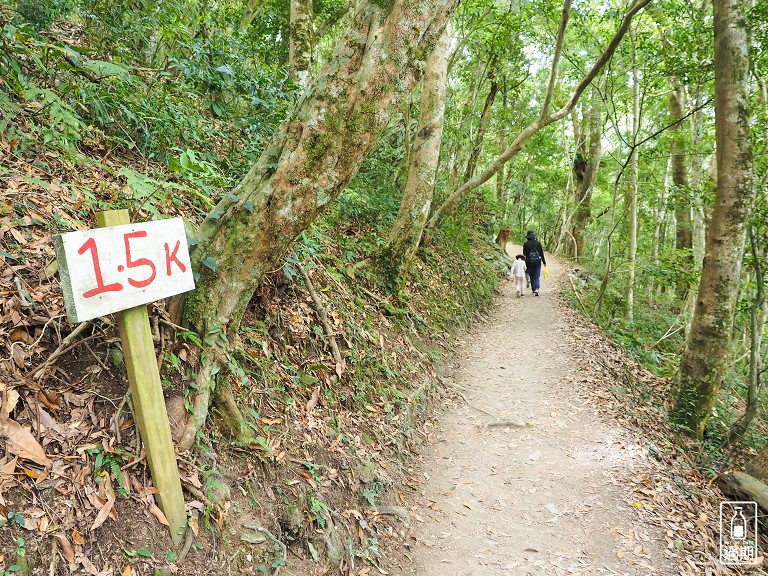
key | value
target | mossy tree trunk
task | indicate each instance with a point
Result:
(405, 236)
(308, 162)
(680, 188)
(703, 363)
(301, 41)
(585, 181)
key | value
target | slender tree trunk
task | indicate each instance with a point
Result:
(631, 196)
(544, 120)
(756, 333)
(501, 204)
(605, 280)
(698, 224)
(704, 360)
(405, 236)
(660, 216)
(683, 237)
(301, 41)
(565, 241)
(310, 159)
(459, 144)
(583, 211)
(482, 128)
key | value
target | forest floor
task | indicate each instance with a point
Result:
(530, 471)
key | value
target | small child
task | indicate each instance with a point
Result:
(518, 271)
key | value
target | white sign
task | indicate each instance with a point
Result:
(106, 270)
(738, 532)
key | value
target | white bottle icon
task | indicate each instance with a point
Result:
(738, 525)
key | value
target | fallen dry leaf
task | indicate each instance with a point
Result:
(157, 513)
(77, 538)
(66, 547)
(21, 442)
(104, 513)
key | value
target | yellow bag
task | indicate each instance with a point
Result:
(546, 273)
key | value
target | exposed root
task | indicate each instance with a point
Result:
(323, 315)
(232, 417)
(206, 384)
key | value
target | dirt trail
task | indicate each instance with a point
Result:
(547, 497)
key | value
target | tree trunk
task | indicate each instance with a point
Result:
(698, 224)
(631, 196)
(659, 217)
(544, 120)
(301, 41)
(564, 223)
(583, 210)
(680, 192)
(309, 161)
(704, 360)
(756, 332)
(405, 236)
(482, 127)
(740, 486)
(501, 189)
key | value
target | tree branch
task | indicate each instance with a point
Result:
(652, 136)
(556, 59)
(539, 124)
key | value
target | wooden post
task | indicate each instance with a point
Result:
(148, 404)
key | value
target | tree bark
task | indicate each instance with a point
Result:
(756, 333)
(698, 221)
(703, 363)
(683, 236)
(583, 210)
(517, 145)
(740, 486)
(402, 172)
(310, 159)
(405, 236)
(301, 41)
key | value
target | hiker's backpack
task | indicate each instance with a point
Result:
(534, 257)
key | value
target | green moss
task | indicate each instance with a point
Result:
(385, 5)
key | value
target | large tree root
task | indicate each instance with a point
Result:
(214, 368)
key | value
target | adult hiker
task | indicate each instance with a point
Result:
(534, 260)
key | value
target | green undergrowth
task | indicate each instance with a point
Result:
(656, 334)
(655, 337)
(84, 128)
(365, 417)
